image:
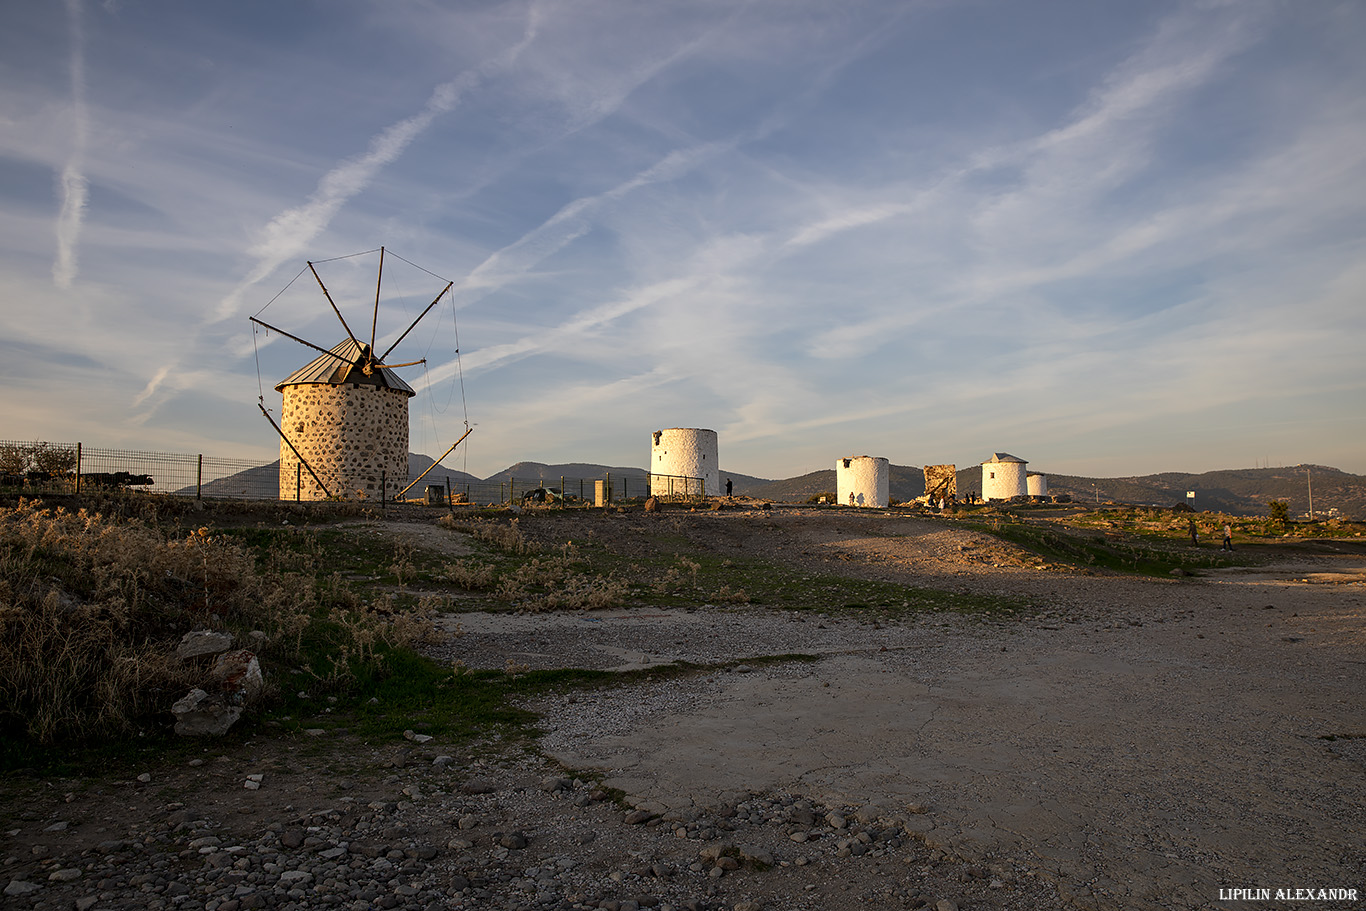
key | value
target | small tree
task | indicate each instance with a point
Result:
(55, 460)
(1280, 513)
(14, 458)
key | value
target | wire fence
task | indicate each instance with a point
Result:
(39, 468)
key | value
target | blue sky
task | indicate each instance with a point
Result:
(1111, 239)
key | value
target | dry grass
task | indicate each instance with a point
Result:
(470, 575)
(506, 536)
(557, 581)
(92, 608)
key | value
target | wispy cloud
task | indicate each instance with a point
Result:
(819, 230)
(572, 221)
(73, 188)
(1110, 137)
(152, 385)
(287, 236)
(858, 217)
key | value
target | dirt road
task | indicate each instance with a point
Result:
(1144, 743)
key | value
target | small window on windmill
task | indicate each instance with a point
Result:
(993, 474)
(846, 462)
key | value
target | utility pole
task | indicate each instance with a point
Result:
(1308, 477)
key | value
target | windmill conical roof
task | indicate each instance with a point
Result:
(344, 365)
(1004, 457)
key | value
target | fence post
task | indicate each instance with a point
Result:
(383, 480)
(561, 491)
(78, 468)
(609, 489)
(199, 479)
(512, 492)
(298, 482)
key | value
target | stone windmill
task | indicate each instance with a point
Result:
(344, 422)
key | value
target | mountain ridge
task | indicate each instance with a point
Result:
(1239, 491)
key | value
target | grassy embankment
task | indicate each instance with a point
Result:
(93, 601)
(93, 604)
(1151, 541)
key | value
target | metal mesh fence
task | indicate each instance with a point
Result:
(42, 467)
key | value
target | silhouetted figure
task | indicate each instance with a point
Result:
(1228, 537)
(1195, 539)
(728, 487)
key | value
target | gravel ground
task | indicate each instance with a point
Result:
(1136, 744)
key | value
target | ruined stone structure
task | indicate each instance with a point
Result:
(862, 481)
(351, 428)
(684, 452)
(941, 483)
(1037, 484)
(1003, 477)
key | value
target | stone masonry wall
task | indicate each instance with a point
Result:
(941, 482)
(865, 479)
(349, 434)
(686, 452)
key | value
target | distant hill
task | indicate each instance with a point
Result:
(263, 481)
(633, 478)
(904, 482)
(419, 463)
(260, 482)
(1240, 492)
(539, 471)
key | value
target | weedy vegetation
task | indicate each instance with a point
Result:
(92, 608)
(95, 594)
(667, 563)
(340, 615)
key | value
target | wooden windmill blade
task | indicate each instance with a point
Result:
(335, 309)
(414, 323)
(374, 320)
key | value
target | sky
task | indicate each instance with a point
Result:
(1109, 238)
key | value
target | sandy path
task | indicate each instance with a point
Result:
(1166, 741)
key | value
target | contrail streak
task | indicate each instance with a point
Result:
(72, 187)
(288, 234)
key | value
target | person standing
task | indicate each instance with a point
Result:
(1195, 538)
(728, 487)
(1228, 536)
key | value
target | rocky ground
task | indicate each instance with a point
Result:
(1132, 744)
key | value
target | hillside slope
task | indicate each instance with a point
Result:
(1243, 492)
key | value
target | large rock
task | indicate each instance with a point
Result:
(200, 715)
(238, 674)
(203, 642)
